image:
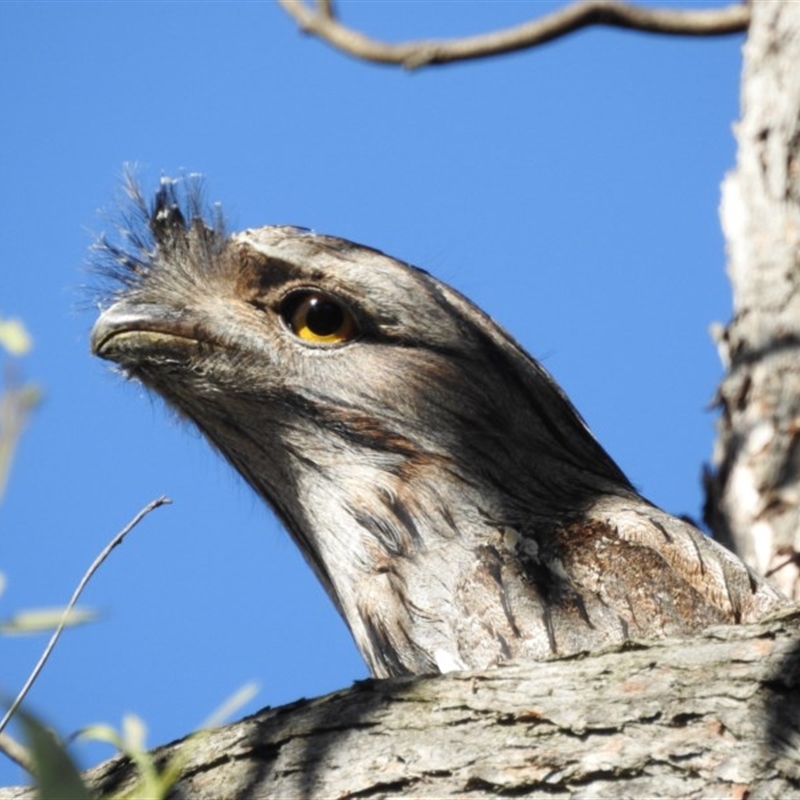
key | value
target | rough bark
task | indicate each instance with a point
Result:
(754, 496)
(716, 716)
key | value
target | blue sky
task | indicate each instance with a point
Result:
(572, 192)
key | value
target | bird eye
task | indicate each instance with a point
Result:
(318, 317)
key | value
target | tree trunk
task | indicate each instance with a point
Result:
(754, 496)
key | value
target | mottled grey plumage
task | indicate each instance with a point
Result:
(444, 490)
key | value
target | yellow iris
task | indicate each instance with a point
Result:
(319, 318)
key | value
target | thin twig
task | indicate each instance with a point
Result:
(325, 8)
(570, 18)
(16, 752)
(74, 599)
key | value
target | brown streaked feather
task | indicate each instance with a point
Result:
(443, 488)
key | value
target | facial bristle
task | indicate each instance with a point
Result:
(143, 234)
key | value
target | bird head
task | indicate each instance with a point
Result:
(340, 355)
(393, 426)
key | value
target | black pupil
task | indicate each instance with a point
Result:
(324, 317)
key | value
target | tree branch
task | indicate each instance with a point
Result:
(713, 716)
(117, 540)
(572, 17)
(16, 752)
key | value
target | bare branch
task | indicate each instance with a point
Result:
(570, 18)
(16, 752)
(711, 716)
(151, 506)
(325, 7)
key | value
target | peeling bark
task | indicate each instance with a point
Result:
(754, 495)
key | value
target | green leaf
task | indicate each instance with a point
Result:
(240, 698)
(45, 619)
(57, 777)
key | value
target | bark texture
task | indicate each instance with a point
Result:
(754, 495)
(716, 716)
